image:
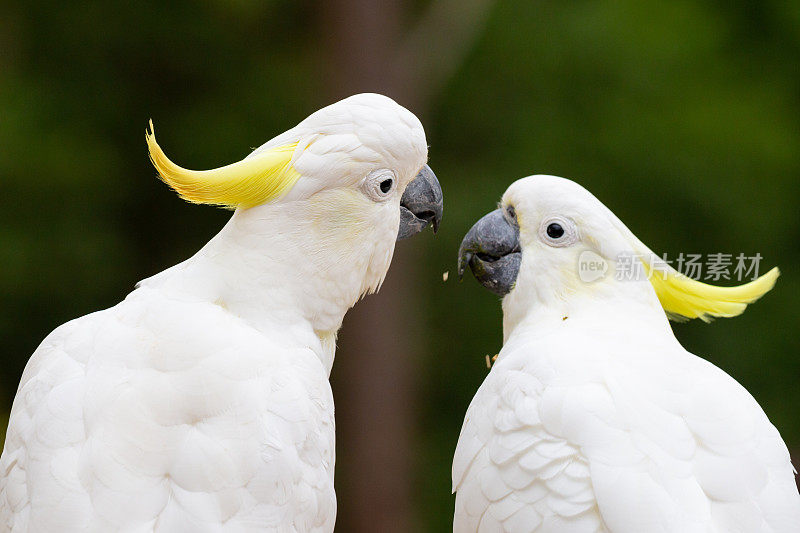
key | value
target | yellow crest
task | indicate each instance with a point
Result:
(250, 182)
(683, 297)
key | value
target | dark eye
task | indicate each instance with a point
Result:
(555, 231)
(512, 213)
(386, 186)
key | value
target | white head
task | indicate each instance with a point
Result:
(318, 208)
(552, 244)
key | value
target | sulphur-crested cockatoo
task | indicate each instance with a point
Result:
(201, 402)
(594, 418)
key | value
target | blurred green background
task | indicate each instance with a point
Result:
(682, 117)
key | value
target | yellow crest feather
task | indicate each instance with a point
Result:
(250, 182)
(684, 298)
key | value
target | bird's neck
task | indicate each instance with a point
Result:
(613, 303)
(270, 268)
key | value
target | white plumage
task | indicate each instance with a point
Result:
(594, 418)
(201, 402)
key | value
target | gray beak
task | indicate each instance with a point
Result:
(422, 202)
(491, 249)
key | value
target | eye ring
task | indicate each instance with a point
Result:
(379, 184)
(558, 232)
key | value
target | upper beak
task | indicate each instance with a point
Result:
(492, 251)
(422, 202)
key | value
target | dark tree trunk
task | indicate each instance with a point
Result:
(370, 50)
(373, 374)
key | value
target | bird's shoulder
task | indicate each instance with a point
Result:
(740, 460)
(157, 404)
(687, 448)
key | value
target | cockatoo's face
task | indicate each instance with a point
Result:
(535, 240)
(551, 242)
(332, 194)
(363, 184)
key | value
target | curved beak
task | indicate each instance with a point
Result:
(422, 202)
(491, 250)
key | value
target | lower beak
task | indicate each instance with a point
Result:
(422, 203)
(491, 250)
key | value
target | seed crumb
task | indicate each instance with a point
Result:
(445, 275)
(488, 361)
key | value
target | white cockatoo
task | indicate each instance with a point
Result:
(201, 402)
(594, 418)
